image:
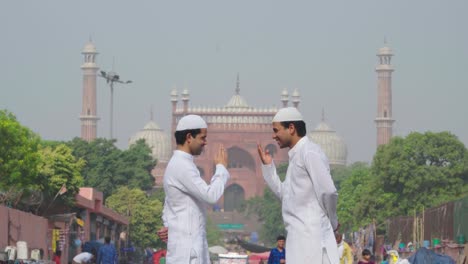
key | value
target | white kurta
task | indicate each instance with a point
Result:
(187, 195)
(309, 200)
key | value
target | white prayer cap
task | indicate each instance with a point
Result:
(288, 114)
(191, 122)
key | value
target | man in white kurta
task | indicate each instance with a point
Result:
(187, 194)
(308, 194)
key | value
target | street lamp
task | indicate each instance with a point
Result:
(112, 77)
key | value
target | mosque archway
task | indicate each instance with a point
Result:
(239, 158)
(234, 196)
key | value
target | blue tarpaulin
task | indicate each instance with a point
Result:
(426, 256)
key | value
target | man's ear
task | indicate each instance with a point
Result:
(291, 128)
(188, 137)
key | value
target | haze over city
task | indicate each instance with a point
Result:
(326, 50)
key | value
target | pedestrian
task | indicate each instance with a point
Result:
(366, 257)
(107, 253)
(278, 254)
(84, 257)
(187, 194)
(57, 256)
(344, 250)
(308, 194)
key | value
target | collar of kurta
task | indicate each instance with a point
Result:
(183, 154)
(297, 147)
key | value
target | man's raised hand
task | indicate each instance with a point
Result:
(221, 157)
(265, 156)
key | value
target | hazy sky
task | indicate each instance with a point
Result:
(326, 49)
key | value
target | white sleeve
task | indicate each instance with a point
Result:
(323, 185)
(164, 214)
(196, 186)
(272, 179)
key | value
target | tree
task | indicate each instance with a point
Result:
(268, 210)
(144, 214)
(135, 167)
(18, 159)
(18, 153)
(108, 167)
(213, 234)
(59, 174)
(353, 188)
(341, 173)
(421, 170)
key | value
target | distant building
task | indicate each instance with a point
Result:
(332, 145)
(239, 127)
(88, 114)
(384, 120)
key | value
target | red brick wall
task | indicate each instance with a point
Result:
(23, 226)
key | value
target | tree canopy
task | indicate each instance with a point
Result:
(108, 167)
(59, 174)
(407, 174)
(268, 209)
(144, 214)
(18, 153)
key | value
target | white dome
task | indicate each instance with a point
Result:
(156, 139)
(237, 102)
(332, 145)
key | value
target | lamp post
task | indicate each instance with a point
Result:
(111, 78)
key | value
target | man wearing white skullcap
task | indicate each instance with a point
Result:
(187, 194)
(308, 194)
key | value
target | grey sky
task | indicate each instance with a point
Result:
(326, 49)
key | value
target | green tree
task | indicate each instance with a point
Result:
(18, 154)
(268, 210)
(108, 167)
(144, 214)
(135, 167)
(213, 234)
(341, 173)
(58, 168)
(419, 170)
(353, 187)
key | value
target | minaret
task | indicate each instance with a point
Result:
(238, 85)
(285, 98)
(384, 120)
(185, 99)
(88, 115)
(296, 98)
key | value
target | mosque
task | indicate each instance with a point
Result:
(239, 127)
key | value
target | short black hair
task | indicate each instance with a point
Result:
(107, 240)
(366, 252)
(299, 125)
(280, 237)
(181, 136)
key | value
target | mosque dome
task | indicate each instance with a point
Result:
(332, 145)
(237, 102)
(156, 139)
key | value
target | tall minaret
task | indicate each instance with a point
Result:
(384, 120)
(88, 115)
(285, 98)
(296, 98)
